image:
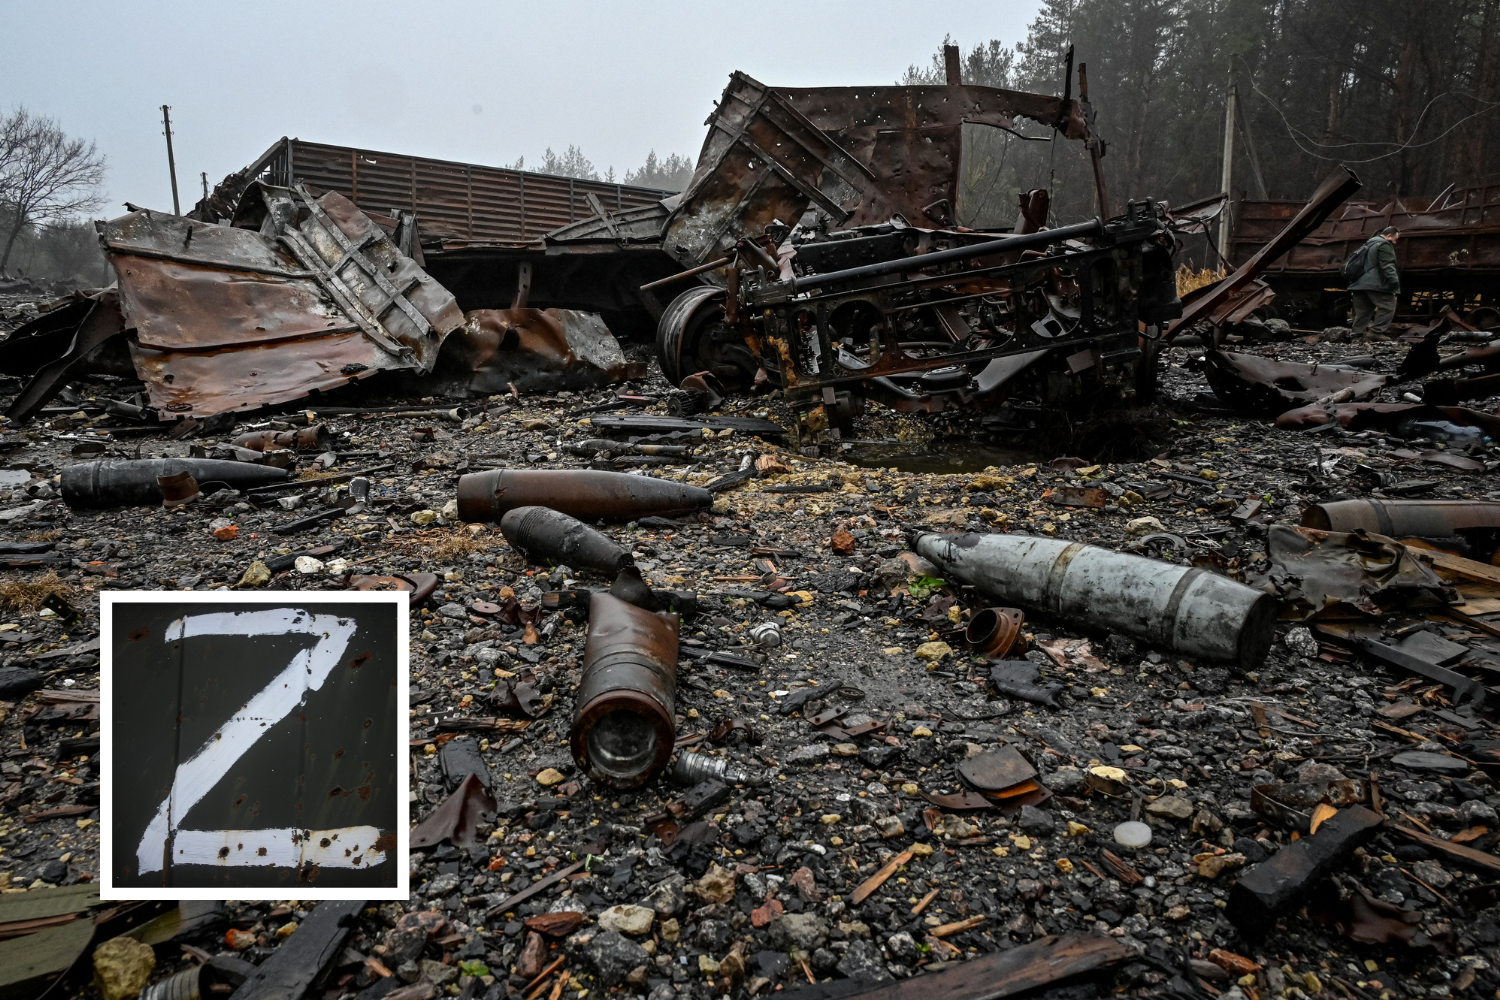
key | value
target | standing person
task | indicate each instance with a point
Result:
(1375, 289)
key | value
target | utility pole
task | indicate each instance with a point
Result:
(166, 122)
(1228, 176)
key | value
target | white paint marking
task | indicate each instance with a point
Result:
(307, 671)
(348, 847)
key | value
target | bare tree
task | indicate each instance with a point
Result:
(45, 177)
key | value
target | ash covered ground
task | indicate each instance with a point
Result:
(762, 899)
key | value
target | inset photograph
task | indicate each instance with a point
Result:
(254, 745)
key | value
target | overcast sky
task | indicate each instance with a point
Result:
(481, 83)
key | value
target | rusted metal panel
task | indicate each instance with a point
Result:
(762, 162)
(910, 138)
(237, 730)
(1458, 232)
(458, 201)
(1258, 384)
(228, 318)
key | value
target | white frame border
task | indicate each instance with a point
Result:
(400, 599)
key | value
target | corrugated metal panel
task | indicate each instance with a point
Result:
(451, 199)
(213, 760)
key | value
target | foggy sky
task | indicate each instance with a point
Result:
(479, 83)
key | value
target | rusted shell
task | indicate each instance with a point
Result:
(312, 438)
(100, 484)
(583, 493)
(993, 631)
(623, 729)
(1181, 608)
(1404, 518)
(177, 489)
(545, 534)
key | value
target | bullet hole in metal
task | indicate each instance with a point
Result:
(360, 660)
(261, 852)
(223, 852)
(339, 752)
(240, 801)
(369, 723)
(324, 842)
(335, 792)
(139, 634)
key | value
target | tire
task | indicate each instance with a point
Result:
(691, 337)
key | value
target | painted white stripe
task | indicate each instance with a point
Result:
(348, 847)
(307, 671)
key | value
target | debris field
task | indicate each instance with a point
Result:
(730, 677)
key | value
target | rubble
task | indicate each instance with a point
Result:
(852, 784)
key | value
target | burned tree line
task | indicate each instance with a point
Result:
(1407, 92)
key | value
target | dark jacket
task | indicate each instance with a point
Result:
(1380, 268)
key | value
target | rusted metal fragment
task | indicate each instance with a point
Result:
(1361, 917)
(536, 350)
(996, 770)
(910, 138)
(1312, 571)
(1264, 385)
(230, 319)
(993, 631)
(1424, 359)
(1386, 416)
(421, 585)
(1237, 306)
(762, 162)
(1332, 193)
(314, 437)
(457, 818)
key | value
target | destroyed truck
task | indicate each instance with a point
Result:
(816, 250)
(856, 301)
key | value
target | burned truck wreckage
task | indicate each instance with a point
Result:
(815, 250)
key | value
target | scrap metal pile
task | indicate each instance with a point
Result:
(709, 700)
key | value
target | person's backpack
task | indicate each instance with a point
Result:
(1354, 265)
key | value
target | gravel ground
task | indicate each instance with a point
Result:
(762, 898)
